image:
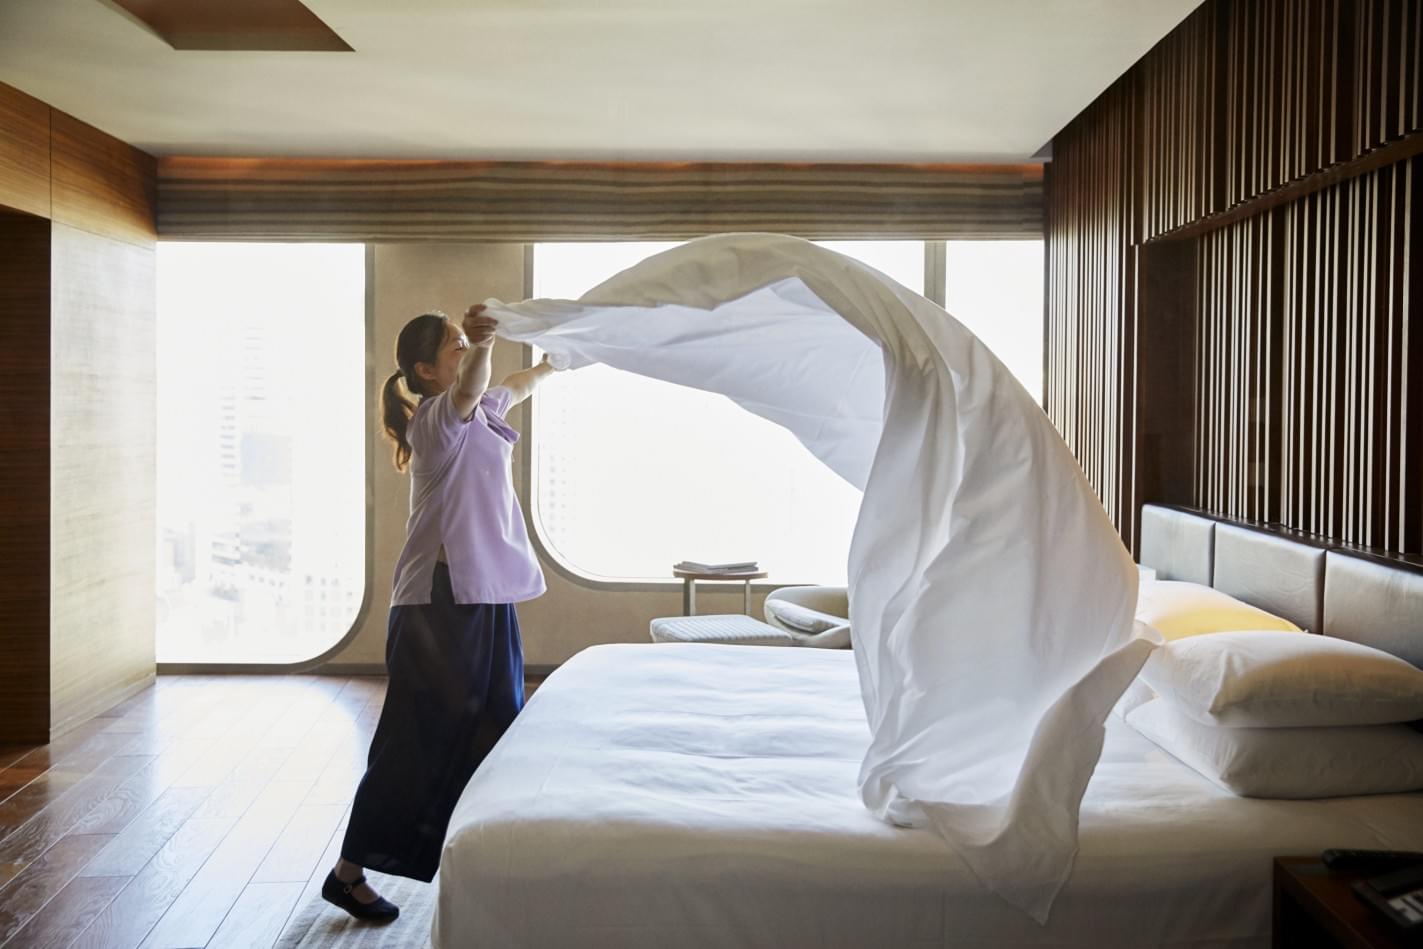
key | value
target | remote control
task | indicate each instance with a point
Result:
(1337, 859)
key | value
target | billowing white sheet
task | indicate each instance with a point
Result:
(704, 796)
(990, 597)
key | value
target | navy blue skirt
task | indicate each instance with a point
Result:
(456, 683)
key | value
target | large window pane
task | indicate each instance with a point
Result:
(633, 474)
(995, 288)
(261, 449)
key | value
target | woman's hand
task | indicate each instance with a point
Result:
(472, 373)
(478, 328)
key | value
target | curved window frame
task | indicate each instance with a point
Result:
(369, 426)
(934, 269)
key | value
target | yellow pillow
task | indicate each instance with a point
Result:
(1178, 609)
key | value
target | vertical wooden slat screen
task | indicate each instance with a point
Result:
(1280, 140)
(1286, 77)
(1389, 37)
(1338, 450)
(1237, 319)
(1179, 90)
(1090, 319)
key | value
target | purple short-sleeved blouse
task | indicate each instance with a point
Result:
(462, 497)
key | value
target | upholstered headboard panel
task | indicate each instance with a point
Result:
(1279, 575)
(1178, 545)
(1359, 596)
(1376, 604)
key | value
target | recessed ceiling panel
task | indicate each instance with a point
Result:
(236, 24)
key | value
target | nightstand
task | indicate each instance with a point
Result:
(1315, 909)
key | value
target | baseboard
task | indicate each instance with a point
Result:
(100, 703)
(535, 670)
(270, 669)
(351, 669)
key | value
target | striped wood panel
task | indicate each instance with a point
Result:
(1243, 99)
(1181, 126)
(1090, 303)
(1311, 374)
(101, 185)
(1279, 141)
(1388, 72)
(259, 199)
(24, 152)
(1287, 85)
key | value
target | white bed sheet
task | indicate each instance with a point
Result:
(701, 795)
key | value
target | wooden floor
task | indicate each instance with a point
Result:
(201, 812)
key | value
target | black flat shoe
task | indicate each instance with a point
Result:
(338, 893)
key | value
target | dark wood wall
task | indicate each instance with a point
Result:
(1233, 272)
(24, 475)
(77, 307)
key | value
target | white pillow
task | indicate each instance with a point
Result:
(1137, 692)
(1265, 680)
(1179, 609)
(1289, 762)
(1136, 695)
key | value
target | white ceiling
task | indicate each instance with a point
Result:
(643, 80)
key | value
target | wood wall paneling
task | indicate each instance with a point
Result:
(24, 478)
(1277, 144)
(1245, 99)
(1182, 127)
(1387, 66)
(102, 185)
(1166, 350)
(1091, 316)
(1311, 365)
(77, 300)
(24, 152)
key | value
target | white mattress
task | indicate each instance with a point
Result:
(702, 795)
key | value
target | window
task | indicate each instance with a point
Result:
(633, 474)
(710, 482)
(995, 288)
(261, 442)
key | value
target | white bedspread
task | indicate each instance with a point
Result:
(990, 596)
(693, 795)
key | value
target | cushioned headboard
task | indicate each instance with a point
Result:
(1178, 545)
(1376, 604)
(1282, 576)
(1361, 596)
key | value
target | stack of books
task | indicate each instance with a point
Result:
(696, 566)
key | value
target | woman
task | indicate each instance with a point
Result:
(453, 652)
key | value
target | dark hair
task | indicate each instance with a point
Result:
(418, 342)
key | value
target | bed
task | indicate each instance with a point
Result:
(701, 795)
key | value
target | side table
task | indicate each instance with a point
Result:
(1315, 907)
(689, 580)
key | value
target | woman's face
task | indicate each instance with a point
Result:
(442, 374)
